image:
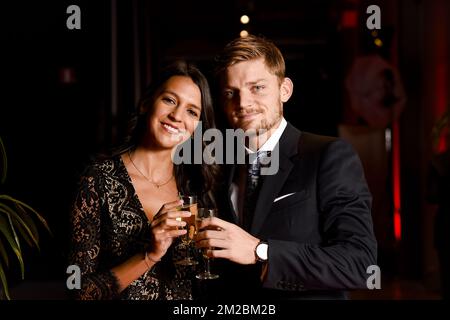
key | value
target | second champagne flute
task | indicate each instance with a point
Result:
(204, 213)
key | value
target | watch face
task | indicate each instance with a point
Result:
(261, 251)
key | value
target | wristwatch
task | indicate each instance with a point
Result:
(261, 251)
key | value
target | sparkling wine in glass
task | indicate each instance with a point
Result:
(187, 240)
(204, 213)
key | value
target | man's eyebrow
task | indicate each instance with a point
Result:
(255, 82)
(249, 83)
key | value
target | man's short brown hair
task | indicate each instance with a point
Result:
(250, 48)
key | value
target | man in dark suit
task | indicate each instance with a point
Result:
(305, 231)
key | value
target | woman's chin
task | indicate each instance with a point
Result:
(170, 142)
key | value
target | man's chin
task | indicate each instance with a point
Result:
(253, 125)
(250, 130)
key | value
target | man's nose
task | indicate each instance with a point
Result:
(245, 99)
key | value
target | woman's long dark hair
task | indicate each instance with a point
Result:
(199, 179)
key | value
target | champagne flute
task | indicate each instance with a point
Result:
(204, 213)
(189, 204)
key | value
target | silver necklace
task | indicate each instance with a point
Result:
(158, 185)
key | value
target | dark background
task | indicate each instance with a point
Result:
(51, 126)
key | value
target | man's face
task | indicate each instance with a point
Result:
(253, 97)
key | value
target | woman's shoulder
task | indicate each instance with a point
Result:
(99, 165)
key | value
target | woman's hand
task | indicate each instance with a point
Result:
(165, 227)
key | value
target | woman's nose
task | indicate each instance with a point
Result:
(176, 113)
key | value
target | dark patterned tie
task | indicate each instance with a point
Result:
(252, 187)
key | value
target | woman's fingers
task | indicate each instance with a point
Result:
(178, 214)
(168, 218)
(169, 206)
(161, 235)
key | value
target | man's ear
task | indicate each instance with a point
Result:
(286, 89)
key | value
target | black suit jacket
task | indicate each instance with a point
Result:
(321, 238)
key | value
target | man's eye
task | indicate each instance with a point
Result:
(228, 94)
(259, 88)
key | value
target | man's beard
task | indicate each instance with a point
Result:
(267, 125)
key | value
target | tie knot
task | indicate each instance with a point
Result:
(259, 158)
(256, 161)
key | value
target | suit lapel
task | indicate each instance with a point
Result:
(272, 184)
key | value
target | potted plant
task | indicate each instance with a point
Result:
(16, 223)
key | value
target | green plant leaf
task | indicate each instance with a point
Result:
(41, 219)
(25, 234)
(10, 238)
(4, 161)
(25, 216)
(4, 282)
(25, 227)
(17, 220)
(13, 231)
(3, 253)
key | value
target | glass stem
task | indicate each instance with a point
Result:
(187, 257)
(207, 266)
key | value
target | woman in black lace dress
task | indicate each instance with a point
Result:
(124, 227)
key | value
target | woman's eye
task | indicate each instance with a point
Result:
(168, 100)
(193, 113)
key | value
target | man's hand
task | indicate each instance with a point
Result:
(227, 240)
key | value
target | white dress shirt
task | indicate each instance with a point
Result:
(239, 181)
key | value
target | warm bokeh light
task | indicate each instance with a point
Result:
(245, 19)
(378, 42)
(244, 33)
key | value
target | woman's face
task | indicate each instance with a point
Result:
(175, 112)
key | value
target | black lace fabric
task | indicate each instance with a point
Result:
(109, 226)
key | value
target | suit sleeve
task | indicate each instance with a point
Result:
(348, 244)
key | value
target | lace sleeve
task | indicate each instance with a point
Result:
(96, 284)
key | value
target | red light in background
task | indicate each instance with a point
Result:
(396, 181)
(441, 51)
(442, 146)
(349, 19)
(441, 100)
